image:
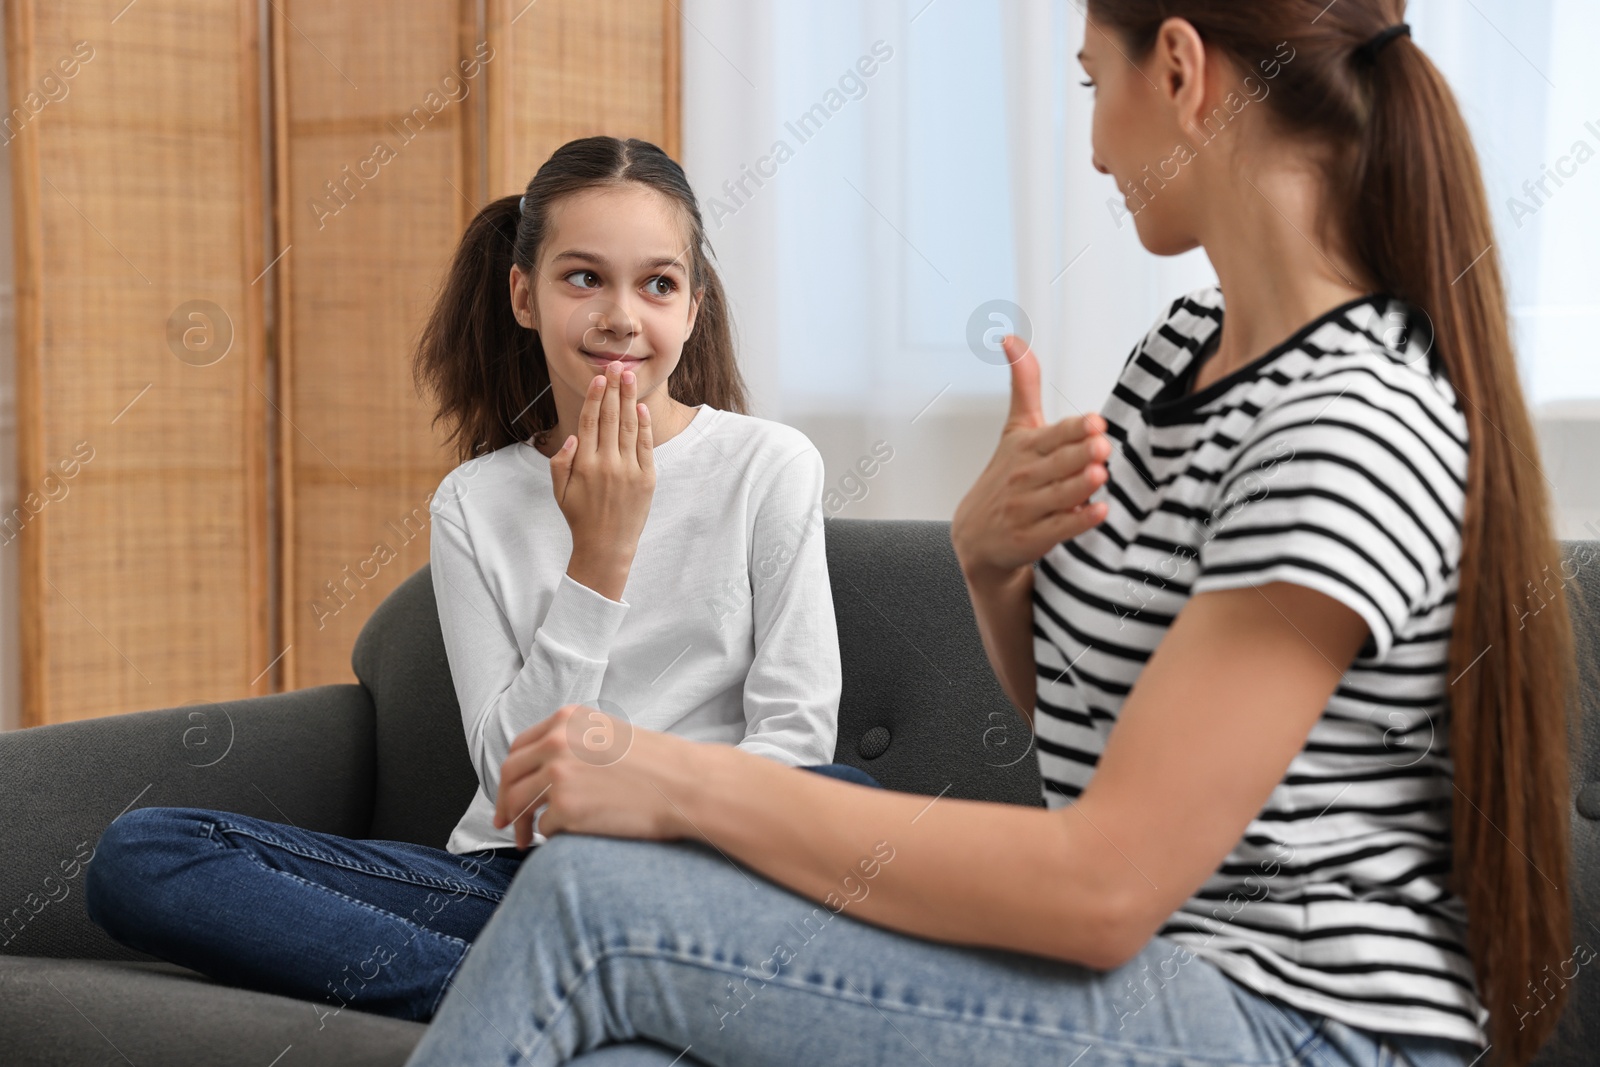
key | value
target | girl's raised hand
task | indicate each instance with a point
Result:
(604, 478)
(1033, 494)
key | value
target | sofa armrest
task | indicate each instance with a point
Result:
(304, 757)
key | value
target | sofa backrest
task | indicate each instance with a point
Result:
(1573, 1044)
(423, 778)
(921, 710)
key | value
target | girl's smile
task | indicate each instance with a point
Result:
(629, 360)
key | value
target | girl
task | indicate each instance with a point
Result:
(1306, 769)
(623, 536)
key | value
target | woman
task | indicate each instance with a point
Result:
(1291, 733)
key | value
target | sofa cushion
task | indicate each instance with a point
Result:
(74, 1012)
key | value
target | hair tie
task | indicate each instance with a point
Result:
(522, 205)
(1368, 52)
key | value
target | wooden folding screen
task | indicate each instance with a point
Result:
(137, 191)
(242, 516)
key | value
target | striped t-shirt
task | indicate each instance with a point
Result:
(1336, 461)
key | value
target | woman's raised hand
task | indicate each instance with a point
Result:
(1033, 494)
(604, 478)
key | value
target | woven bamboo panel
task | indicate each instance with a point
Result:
(358, 450)
(137, 190)
(576, 68)
(377, 166)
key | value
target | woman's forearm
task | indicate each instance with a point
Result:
(1003, 605)
(986, 874)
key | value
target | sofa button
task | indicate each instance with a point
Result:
(1589, 801)
(874, 743)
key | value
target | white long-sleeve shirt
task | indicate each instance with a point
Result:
(725, 631)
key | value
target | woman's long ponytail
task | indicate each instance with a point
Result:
(1413, 210)
(1421, 224)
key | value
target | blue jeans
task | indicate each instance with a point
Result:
(628, 953)
(379, 926)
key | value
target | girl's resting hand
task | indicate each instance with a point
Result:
(592, 773)
(1033, 494)
(604, 478)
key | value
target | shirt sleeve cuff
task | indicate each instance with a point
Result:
(581, 620)
(775, 753)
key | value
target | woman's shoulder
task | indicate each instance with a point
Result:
(1181, 328)
(1376, 360)
(1198, 311)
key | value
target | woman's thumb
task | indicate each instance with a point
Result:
(1026, 409)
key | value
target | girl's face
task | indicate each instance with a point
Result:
(612, 284)
(1138, 128)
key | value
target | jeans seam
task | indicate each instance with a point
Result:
(365, 868)
(346, 897)
(1171, 1055)
(444, 986)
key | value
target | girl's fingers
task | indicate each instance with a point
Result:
(608, 410)
(645, 447)
(627, 414)
(589, 417)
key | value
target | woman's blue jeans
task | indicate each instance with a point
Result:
(641, 954)
(379, 926)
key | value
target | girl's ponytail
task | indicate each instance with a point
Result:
(485, 370)
(1410, 200)
(1422, 225)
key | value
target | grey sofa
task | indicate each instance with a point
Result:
(385, 759)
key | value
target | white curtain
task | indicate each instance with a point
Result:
(1525, 75)
(957, 173)
(1082, 271)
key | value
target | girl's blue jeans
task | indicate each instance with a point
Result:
(379, 926)
(642, 954)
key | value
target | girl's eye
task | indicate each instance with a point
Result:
(589, 279)
(1087, 84)
(661, 285)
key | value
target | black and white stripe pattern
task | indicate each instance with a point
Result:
(1335, 461)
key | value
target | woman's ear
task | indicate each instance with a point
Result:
(1179, 69)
